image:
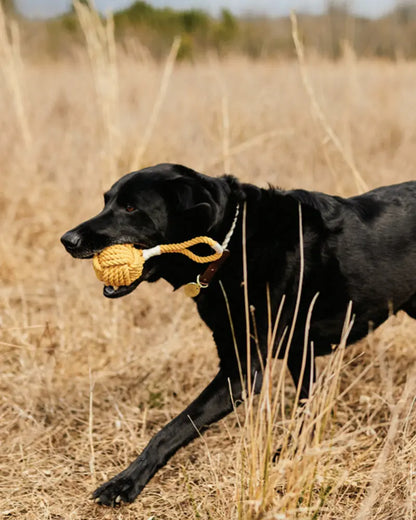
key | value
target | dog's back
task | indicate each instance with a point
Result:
(371, 239)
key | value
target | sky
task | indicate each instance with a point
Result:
(370, 8)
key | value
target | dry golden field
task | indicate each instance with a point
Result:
(86, 381)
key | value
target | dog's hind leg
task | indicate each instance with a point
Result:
(301, 380)
(216, 401)
(303, 377)
(410, 307)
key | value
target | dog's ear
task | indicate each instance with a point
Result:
(192, 202)
(201, 213)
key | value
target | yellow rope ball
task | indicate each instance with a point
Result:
(118, 265)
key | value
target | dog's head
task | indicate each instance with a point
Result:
(161, 204)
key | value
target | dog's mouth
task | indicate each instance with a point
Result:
(117, 292)
(108, 290)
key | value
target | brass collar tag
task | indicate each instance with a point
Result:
(192, 289)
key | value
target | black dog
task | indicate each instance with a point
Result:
(361, 249)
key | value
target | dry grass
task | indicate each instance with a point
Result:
(86, 381)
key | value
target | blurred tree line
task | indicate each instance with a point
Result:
(153, 29)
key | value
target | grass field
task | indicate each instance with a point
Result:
(86, 381)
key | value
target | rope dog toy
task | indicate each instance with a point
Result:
(122, 264)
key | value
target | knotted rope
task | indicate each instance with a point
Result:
(122, 264)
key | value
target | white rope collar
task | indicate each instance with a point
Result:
(232, 228)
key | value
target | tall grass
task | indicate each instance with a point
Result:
(86, 381)
(279, 452)
(11, 69)
(101, 46)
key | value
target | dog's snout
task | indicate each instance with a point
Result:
(71, 240)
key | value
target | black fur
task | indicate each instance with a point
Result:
(361, 249)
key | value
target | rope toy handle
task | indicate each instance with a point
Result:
(122, 264)
(182, 247)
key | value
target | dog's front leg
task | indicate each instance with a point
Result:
(211, 405)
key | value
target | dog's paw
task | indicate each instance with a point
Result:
(117, 490)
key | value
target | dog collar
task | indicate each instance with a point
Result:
(192, 289)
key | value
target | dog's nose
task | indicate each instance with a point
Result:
(71, 240)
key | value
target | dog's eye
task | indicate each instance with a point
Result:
(130, 208)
